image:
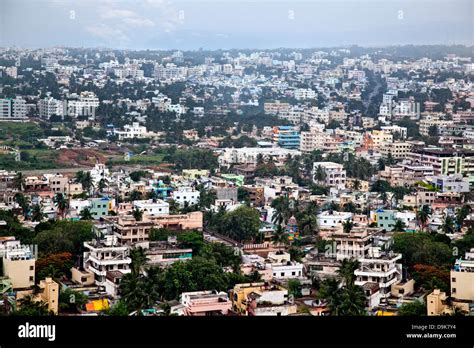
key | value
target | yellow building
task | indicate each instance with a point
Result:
(49, 294)
(270, 293)
(19, 266)
(462, 280)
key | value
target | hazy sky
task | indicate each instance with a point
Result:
(213, 24)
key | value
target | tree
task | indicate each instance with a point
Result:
(423, 215)
(241, 224)
(279, 236)
(28, 306)
(102, 184)
(71, 301)
(37, 214)
(61, 203)
(139, 260)
(320, 174)
(346, 271)
(85, 179)
(294, 288)
(282, 211)
(461, 214)
(24, 204)
(447, 226)
(399, 226)
(347, 226)
(413, 309)
(137, 214)
(86, 214)
(431, 277)
(54, 265)
(19, 181)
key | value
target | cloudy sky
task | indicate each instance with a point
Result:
(213, 24)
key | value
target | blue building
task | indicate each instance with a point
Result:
(287, 137)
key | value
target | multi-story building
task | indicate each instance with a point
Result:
(85, 105)
(13, 108)
(382, 269)
(103, 256)
(18, 264)
(255, 299)
(48, 107)
(445, 161)
(186, 196)
(130, 231)
(328, 219)
(335, 174)
(397, 149)
(152, 207)
(462, 279)
(205, 303)
(287, 137)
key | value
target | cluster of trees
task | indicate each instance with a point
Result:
(343, 297)
(241, 224)
(144, 287)
(191, 158)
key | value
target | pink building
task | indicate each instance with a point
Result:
(205, 303)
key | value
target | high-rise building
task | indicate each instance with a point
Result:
(12, 108)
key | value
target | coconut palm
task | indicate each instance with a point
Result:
(461, 214)
(138, 214)
(61, 203)
(347, 226)
(37, 214)
(320, 174)
(279, 236)
(346, 271)
(423, 215)
(447, 226)
(86, 214)
(24, 204)
(399, 226)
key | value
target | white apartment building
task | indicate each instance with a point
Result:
(153, 207)
(334, 172)
(48, 107)
(249, 155)
(85, 105)
(186, 195)
(106, 255)
(381, 269)
(334, 219)
(133, 131)
(13, 108)
(304, 93)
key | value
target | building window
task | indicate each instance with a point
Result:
(282, 274)
(32, 268)
(453, 290)
(453, 280)
(31, 278)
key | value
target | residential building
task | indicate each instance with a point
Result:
(205, 303)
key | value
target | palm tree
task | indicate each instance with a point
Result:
(447, 226)
(138, 214)
(279, 236)
(461, 214)
(24, 204)
(423, 215)
(61, 203)
(19, 181)
(329, 291)
(346, 271)
(282, 210)
(86, 214)
(37, 214)
(320, 174)
(101, 185)
(139, 260)
(347, 226)
(399, 226)
(353, 301)
(85, 179)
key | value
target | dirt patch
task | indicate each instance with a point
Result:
(80, 157)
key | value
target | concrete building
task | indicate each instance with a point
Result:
(205, 303)
(334, 173)
(103, 256)
(287, 137)
(19, 265)
(152, 207)
(186, 196)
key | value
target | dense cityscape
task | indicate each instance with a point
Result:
(285, 182)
